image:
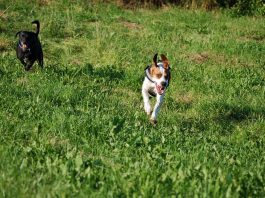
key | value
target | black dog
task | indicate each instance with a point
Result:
(29, 47)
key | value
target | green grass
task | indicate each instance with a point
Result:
(77, 127)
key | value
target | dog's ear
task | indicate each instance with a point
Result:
(17, 33)
(154, 63)
(165, 61)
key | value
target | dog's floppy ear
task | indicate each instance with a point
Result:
(165, 61)
(154, 63)
(17, 33)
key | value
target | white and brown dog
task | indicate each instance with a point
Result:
(156, 81)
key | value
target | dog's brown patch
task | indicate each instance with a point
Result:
(165, 61)
(155, 71)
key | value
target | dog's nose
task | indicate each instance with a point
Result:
(163, 84)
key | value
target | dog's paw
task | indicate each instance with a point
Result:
(149, 113)
(153, 122)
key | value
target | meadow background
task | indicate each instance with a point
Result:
(77, 127)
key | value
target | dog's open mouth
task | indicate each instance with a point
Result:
(23, 46)
(160, 89)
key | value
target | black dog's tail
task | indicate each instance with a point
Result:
(38, 26)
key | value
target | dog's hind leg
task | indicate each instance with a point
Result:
(40, 59)
(27, 68)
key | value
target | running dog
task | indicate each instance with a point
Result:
(29, 47)
(156, 81)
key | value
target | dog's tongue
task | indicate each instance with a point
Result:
(160, 89)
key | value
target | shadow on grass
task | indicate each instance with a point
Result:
(238, 114)
(118, 123)
(220, 118)
(228, 116)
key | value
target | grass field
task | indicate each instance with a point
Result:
(77, 127)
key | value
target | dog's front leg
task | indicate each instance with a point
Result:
(147, 106)
(28, 66)
(159, 100)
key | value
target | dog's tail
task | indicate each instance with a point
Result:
(38, 26)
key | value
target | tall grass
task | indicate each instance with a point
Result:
(207, 4)
(239, 7)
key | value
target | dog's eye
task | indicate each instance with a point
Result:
(158, 75)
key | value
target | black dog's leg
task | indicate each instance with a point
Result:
(27, 65)
(40, 60)
(27, 68)
(24, 64)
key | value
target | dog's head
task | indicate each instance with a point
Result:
(25, 39)
(160, 73)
